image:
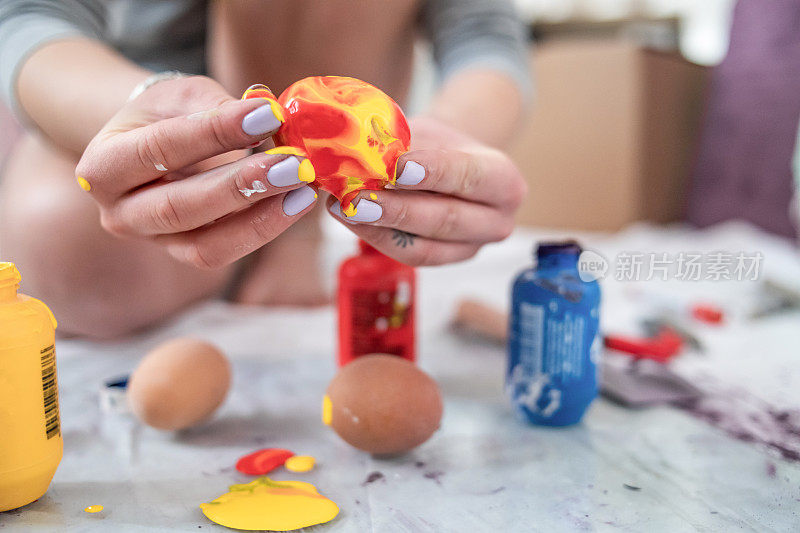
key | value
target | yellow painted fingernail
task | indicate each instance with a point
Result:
(299, 463)
(327, 410)
(305, 172)
(373, 196)
(94, 509)
(85, 185)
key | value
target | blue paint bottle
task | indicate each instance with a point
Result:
(553, 340)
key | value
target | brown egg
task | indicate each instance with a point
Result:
(383, 404)
(179, 384)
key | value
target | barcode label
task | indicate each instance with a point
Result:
(50, 391)
(531, 328)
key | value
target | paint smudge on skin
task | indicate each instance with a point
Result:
(258, 186)
(94, 509)
(300, 463)
(631, 487)
(271, 505)
(749, 419)
(161, 167)
(351, 132)
(263, 461)
(373, 477)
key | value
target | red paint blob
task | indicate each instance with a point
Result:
(263, 461)
(318, 121)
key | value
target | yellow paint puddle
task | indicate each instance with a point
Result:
(271, 505)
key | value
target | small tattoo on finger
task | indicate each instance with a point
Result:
(403, 238)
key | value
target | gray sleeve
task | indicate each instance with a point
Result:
(25, 25)
(487, 33)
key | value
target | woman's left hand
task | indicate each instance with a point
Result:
(452, 196)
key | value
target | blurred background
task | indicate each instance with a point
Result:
(662, 111)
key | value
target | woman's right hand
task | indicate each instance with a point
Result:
(143, 169)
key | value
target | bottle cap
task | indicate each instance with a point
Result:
(568, 247)
(9, 275)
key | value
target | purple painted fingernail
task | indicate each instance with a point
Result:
(299, 199)
(412, 174)
(366, 211)
(284, 173)
(260, 121)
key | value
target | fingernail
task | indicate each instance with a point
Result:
(284, 173)
(84, 184)
(366, 211)
(412, 174)
(298, 199)
(260, 121)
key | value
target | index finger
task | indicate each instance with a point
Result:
(484, 176)
(113, 165)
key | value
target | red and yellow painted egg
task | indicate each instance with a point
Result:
(352, 132)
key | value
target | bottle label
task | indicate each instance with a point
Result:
(551, 348)
(50, 390)
(380, 320)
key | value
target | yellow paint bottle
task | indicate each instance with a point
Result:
(30, 428)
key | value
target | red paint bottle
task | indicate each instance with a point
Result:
(376, 306)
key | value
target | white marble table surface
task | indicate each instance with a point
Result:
(484, 470)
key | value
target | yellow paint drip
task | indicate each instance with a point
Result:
(299, 463)
(327, 410)
(381, 130)
(272, 505)
(287, 150)
(85, 185)
(350, 210)
(94, 509)
(277, 110)
(305, 172)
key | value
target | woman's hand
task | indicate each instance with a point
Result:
(452, 196)
(145, 171)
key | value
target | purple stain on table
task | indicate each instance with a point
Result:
(419, 464)
(749, 419)
(498, 489)
(771, 469)
(434, 475)
(373, 477)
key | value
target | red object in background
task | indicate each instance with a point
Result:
(376, 306)
(263, 461)
(661, 348)
(707, 313)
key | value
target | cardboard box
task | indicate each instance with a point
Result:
(611, 135)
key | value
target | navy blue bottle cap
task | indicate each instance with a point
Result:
(545, 248)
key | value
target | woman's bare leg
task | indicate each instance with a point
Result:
(97, 285)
